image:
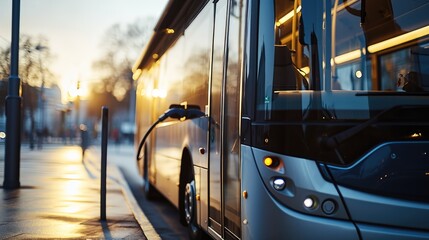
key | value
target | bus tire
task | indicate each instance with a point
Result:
(188, 205)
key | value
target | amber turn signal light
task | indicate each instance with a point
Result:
(271, 162)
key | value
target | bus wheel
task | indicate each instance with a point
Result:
(190, 209)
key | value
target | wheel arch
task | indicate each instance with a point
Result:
(186, 169)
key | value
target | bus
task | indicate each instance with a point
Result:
(288, 119)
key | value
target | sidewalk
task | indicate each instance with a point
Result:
(60, 198)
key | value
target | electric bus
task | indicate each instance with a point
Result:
(288, 119)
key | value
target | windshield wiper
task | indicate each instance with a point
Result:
(335, 140)
(332, 142)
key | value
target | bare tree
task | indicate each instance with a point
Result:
(123, 45)
(34, 61)
(35, 57)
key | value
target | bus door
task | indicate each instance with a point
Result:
(224, 166)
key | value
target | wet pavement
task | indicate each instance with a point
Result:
(60, 198)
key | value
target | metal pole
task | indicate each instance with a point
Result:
(13, 110)
(104, 132)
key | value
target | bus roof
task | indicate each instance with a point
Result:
(176, 17)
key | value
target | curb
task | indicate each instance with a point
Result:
(144, 223)
(117, 176)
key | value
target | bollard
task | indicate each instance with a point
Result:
(104, 132)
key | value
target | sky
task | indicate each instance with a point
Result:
(74, 29)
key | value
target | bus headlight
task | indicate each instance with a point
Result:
(310, 203)
(2, 135)
(279, 184)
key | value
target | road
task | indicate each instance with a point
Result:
(161, 213)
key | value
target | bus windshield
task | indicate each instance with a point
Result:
(367, 62)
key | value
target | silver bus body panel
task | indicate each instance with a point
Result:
(273, 220)
(370, 208)
(371, 232)
(376, 217)
(168, 153)
(202, 204)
